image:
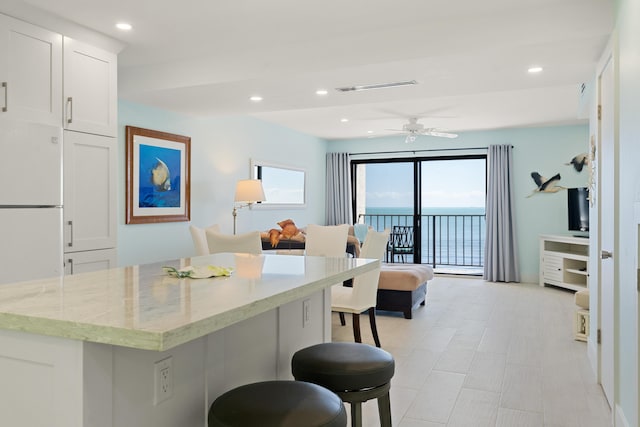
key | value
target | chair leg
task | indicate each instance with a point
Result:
(384, 410)
(374, 328)
(342, 319)
(356, 414)
(356, 327)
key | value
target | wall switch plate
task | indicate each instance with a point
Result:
(305, 313)
(162, 380)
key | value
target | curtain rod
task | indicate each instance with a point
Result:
(422, 151)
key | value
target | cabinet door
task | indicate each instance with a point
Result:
(89, 191)
(30, 72)
(90, 89)
(84, 262)
(552, 268)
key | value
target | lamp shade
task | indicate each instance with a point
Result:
(249, 191)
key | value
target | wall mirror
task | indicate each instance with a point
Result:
(284, 186)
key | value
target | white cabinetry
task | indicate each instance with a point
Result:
(90, 89)
(564, 261)
(89, 192)
(30, 72)
(85, 261)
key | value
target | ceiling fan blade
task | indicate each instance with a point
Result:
(442, 134)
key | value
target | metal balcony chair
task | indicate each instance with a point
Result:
(400, 242)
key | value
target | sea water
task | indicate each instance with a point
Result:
(458, 237)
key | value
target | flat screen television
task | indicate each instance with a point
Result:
(578, 209)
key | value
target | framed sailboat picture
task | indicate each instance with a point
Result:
(158, 176)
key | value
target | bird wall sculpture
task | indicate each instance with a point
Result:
(579, 161)
(546, 185)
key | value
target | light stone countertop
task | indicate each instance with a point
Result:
(144, 308)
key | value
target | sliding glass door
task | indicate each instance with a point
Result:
(453, 214)
(441, 201)
(386, 198)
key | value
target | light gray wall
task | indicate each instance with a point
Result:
(221, 149)
(545, 150)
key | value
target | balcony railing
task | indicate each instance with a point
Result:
(446, 240)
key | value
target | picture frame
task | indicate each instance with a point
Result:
(158, 187)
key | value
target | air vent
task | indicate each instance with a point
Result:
(376, 86)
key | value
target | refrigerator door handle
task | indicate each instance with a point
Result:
(70, 115)
(70, 262)
(70, 244)
(5, 85)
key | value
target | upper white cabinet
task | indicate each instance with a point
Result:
(90, 89)
(30, 72)
(89, 192)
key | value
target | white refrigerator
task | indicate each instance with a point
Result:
(30, 201)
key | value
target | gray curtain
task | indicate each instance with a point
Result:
(501, 252)
(338, 189)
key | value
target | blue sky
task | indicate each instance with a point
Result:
(446, 183)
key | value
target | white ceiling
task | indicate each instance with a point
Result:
(470, 57)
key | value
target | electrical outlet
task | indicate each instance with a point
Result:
(162, 380)
(305, 313)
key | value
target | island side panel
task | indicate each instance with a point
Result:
(41, 380)
(301, 324)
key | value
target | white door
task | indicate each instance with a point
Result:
(31, 244)
(90, 88)
(30, 164)
(30, 72)
(607, 212)
(89, 191)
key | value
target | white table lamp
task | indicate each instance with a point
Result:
(248, 191)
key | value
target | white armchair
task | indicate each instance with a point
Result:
(199, 237)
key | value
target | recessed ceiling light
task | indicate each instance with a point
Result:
(369, 131)
(256, 98)
(123, 26)
(321, 92)
(344, 120)
(535, 69)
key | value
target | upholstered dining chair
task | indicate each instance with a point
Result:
(326, 240)
(248, 243)
(363, 294)
(199, 237)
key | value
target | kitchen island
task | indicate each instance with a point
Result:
(88, 349)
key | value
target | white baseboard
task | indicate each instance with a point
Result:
(620, 420)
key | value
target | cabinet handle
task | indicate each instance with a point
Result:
(5, 85)
(70, 104)
(70, 244)
(70, 261)
(606, 255)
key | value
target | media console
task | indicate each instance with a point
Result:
(564, 261)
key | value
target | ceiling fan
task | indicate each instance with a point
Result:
(414, 129)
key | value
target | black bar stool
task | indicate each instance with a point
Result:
(355, 372)
(278, 404)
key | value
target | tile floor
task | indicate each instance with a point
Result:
(487, 354)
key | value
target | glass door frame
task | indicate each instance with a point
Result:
(417, 189)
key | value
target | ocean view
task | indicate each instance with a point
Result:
(449, 235)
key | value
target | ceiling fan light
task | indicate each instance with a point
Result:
(410, 138)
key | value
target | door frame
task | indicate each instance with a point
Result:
(596, 300)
